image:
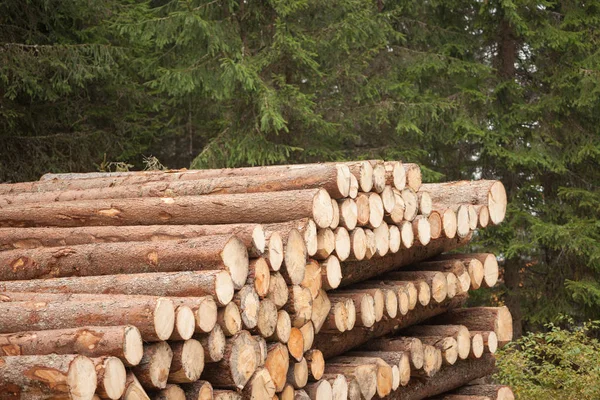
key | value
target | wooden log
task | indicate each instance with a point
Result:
(487, 260)
(267, 318)
(371, 244)
(353, 187)
(382, 239)
(422, 230)
(364, 304)
(432, 362)
(343, 245)
(473, 216)
(252, 235)
(278, 290)
(222, 394)
(332, 344)
(407, 235)
(376, 210)
(325, 244)
(213, 344)
(153, 370)
(316, 363)
(238, 364)
(496, 392)
(447, 345)
(199, 390)
(248, 302)
(453, 285)
(477, 345)
(260, 386)
(259, 276)
(124, 342)
(305, 226)
(398, 360)
(347, 213)
(413, 176)
(388, 197)
(411, 203)
(496, 319)
(435, 224)
(294, 236)
(410, 345)
(111, 377)
(391, 303)
(436, 280)
(448, 378)
(188, 361)
(359, 244)
(313, 277)
(335, 222)
(185, 283)
(490, 340)
(283, 327)
(278, 364)
(331, 273)
(378, 176)
(204, 308)
(459, 397)
(171, 392)
(299, 305)
(295, 344)
(362, 209)
(204, 253)
(483, 192)
(320, 390)
(483, 214)
(209, 209)
(48, 376)
(363, 172)
(297, 374)
(459, 332)
(375, 292)
(154, 317)
(229, 319)
(457, 267)
(395, 174)
(449, 220)
(308, 335)
(365, 375)
(395, 238)
(294, 258)
(338, 318)
(339, 386)
(133, 389)
(425, 203)
(320, 310)
(274, 253)
(261, 348)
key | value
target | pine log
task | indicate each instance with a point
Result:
(375, 292)
(222, 394)
(338, 319)
(204, 308)
(278, 364)
(274, 253)
(407, 235)
(395, 238)
(111, 377)
(295, 344)
(352, 364)
(339, 386)
(313, 277)
(362, 209)
(154, 317)
(278, 290)
(436, 280)
(410, 345)
(261, 348)
(252, 235)
(364, 305)
(308, 335)
(496, 392)
(425, 203)
(359, 244)
(483, 214)
(378, 176)
(320, 390)
(48, 376)
(331, 273)
(398, 360)
(391, 303)
(248, 302)
(186, 283)
(457, 267)
(422, 230)
(297, 374)
(483, 192)
(204, 253)
(388, 197)
(371, 244)
(496, 319)
(171, 392)
(449, 220)
(413, 176)
(477, 345)
(395, 174)
(213, 344)
(133, 389)
(325, 243)
(305, 226)
(199, 390)
(363, 172)
(490, 340)
(295, 255)
(376, 210)
(348, 213)
(238, 364)
(459, 397)
(453, 284)
(382, 239)
(435, 224)
(153, 370)
(320, 310)
(299, 305)
(316, 363)
(487, 260)
(283, 328)
(259, 276)
(124, 342)
(267, 318)
(343, 244)
(229, 319)
(459, 332)
(447, 345)
(260, 386)
(411, 203)
(210, 209)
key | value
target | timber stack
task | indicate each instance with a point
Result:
(315, 281)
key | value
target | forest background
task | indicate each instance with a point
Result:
(493, 89)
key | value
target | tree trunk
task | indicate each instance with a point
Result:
(436, 280)
(124, 342)
(295, 344)
(496, 319)
(167, 284)
(111, 377)
(283, 328)
(316, 363)
(459, 332)
(188, 361)
(457, 267)
(49, 376)
(153, 371)
(211, 209)
(496, 392)
(348, 213)
(213, 344)
(154, 317)
(260, 386)
(259, 276)
(278, 361)
(487, 260)
(299, 305)
(199, 390)
(306, 227)
(297, 374)
(410, 345)
(278, 290)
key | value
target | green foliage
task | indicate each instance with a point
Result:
(557, 364)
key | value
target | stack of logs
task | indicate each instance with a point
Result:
(315, 281)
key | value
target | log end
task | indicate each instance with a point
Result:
(322, 209)
(262, 277)
(235, 258)
(343, 179)
(449, 223)
(82, 378)
(379, 177)
(334, 272)
(497, 202)
(206, 314)
(267, 318)
(275, 251)
(185, 323)
(133, 346)
(295, 344)
(477, 345)
(490, 270)
(376, 210)
(164, 318)
(295, 256)
(310, 237)
(192, 359)
(259, 240)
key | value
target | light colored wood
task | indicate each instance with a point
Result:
(457, 267)
(436, 280)
(496, 319)
(294, 258)
(496, 392)
(410, 345)
(343, 245)
(221, 394)
(124, 342)
(490, 340)
(199, 390)
(278, 291)
(153, 370)
(435, 224)
(473, 216)
(320, 310)
(213, 344)
(362, 209)
(378, 177)
(267, 318)
(331, 273)
(483, 214)
(288, 393)
(316, 363)
(185, 323)
(382, 239)
(407, 234)
(260, 386)
(376, 211)
(308, 335)
(411, 203)
(348, 213)
(363, 172)
(458, 332)
(477, 345)
(187, 363)
(335, 222)
(413, 176)
(277, 364)
(395, 174)
(297, 374)
(425, 203)
(229, 319)
(338, 318)
(389, 199)
(325, 243)
(339, 386)
(283, 327)
(295, 344)
(133, 389)
(274, 253)
(248, 303)
(422, 229)
(359, 243)
(353, 187)
(259, 276)
(313, 279)
(299, 305)
(371, 244)
(111, 377)
(397, 214)
(171, 392)
(394, 238)
(364, 304)
(320, 390)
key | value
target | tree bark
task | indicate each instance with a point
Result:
(496, 392)
(124, 342)
(211, 209)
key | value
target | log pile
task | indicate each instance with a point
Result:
(315, 281)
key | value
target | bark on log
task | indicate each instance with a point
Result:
(338, 343)
(277, 364)
(111, 377)
(211, 209)
(153, 370)
(496, 392)
(496, 319)
(238, 364)
(213, 344)
(363, 172)
(154, 317)
(167, 284)
(199, 390)
(259, 276)
(124, 342)
(490, 340)
(49, 376)
(204, 253)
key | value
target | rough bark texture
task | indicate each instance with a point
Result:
(210, 209)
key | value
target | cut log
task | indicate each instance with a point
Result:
(277, 364)
(382, 239)
(153, 370)
(320, 390)
(283, 328)
(459, 397)
(407, 235)
(395, 238)
(221, 394)
(339, 386)
(396, 216)
(490, 340)
(473, 216)
(325, 244)
(332, 344)
(364, 304)
(295, 344)
(294, 258)
(436, 280)
(425, 203)
(248, 302)
(398, 360)
(199, 390)
(188, 361)
(335, 222)
(365, 375)
(376, 210)
(342, 243)
(210, 210)
(238, 364)
(422, 230)
(457, 267)
(362, 209)
(435, 224)
(378, 176)
(111, 377)
(260, 386)
(316, 363)
(496, 392)
(338, 318)
(213, 344)
(359, 243)
(187, 283)
(477, 345)
(389, 200)
(274, 253)
(391, 303)
(48, 376)
(410, 345)
(259, 276)
(124, 342)
(267, 318)
(371, 244)
(252, 235)
(204, 253)
(320, 310)
(313, 277)
(411, 203)
(488, 262)
(395, 174)
(496, 319)
(348, 213)
(308, 335)
(363, 172)
(353, 187)
(432, 362)
(278, 290)
(483, 214)
(229, 319)
(483, 192)
(261, 348)
(299, 305)
(185, 323)
(449, 220)
(297, 374)
(453, 285)
(447, 345)
(154, 317)
(133, 389)
(413, 176)
(171, 392)
(459, 332)
(376, 293)
(331, 273)
(204, 308)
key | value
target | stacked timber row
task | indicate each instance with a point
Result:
(245, 283)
